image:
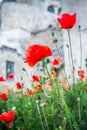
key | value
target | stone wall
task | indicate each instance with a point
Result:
(80, 7)
(11, 55)
(45, 37)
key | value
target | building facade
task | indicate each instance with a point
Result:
(24, 23)
(80, 8)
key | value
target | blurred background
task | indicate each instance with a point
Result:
(26, 22)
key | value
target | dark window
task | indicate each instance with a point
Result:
(59, 10)
(86, 63)
(9, 68)
(51, 8)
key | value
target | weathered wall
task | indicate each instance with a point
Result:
(80, 7)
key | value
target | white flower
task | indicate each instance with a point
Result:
(60, 127)
(43, 104)
(36, 101)
(78, 99)
(13, 108)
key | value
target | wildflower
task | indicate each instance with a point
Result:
(56, 61)
(81, 72)
(43, 104)
(78, 99)
(7, 117)
(48, 87)
(11, 76)
(83, 78)
(13, 109)
(66, 86)
(37, 101)
(31, 92)
(2, 79)
(67, 21)
(35, 78)
(38, 87)
(60, 127)
(4, 96)
(18, 85)
(53, 73)
(36, 53)
(82, 75)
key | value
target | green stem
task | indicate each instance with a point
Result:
(69, 59)
(26, 73)
(79, 111)
(40, 117)
(71, 55)
(80, 48)
(69, 115)
(47, 71)
(45, 67)
(45, 119)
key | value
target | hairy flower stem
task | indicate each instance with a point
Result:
(40, 117)
(45, 67)
(80, 48)
(45, 119)
(79, 112)
(69, 59)
(71, 56)
(47, 71)
(26, 73)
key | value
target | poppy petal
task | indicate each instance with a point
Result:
(31, 62)
(67, 21)
(46, 51)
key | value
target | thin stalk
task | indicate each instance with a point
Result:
(71, 55)
(45, 67)
(55, 41)
(40, 117)
(69, 115)
(80, 48)
(47, 71)
(26, 73)
(45, 119)
(69, 59)
(79, 111)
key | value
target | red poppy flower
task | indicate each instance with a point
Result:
(56, 61)
(38, 87)
(81, 72)
(7, 117)
(4, 96)
(35, 78)
(36, 53)
(10, 76)
(18, 85)
(31, 92)
(83, 78)
(2, 79)
(67, 21)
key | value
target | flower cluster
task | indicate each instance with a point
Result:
(50, 102)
